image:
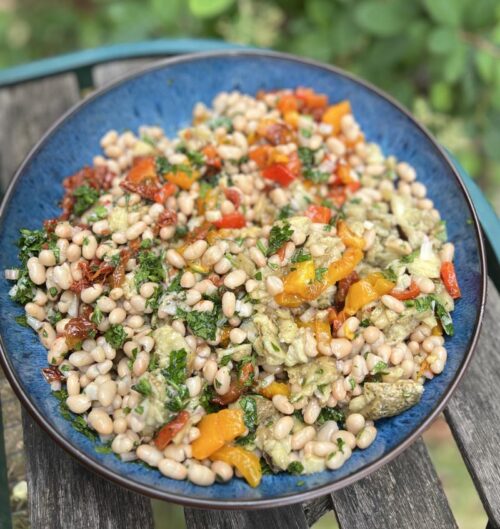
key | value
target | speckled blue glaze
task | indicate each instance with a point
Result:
(165, 96)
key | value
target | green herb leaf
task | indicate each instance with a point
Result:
(410, 257)
(249, 407)
(143, 387)
(21, 320)
(300, 256)
(295, 467)
(86, 197)
(278, 236)
(97, 316)
(285, 212)
(177, 367)
(150, 268)
(116, 336)
(330, 414)
(320, 274)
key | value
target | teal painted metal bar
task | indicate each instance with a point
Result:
(70, 62)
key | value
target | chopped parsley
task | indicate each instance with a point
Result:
(306, 156)
(380, 367)
(285, 212)
(202, 324)
(365, 323)
(143, 387)
(300, 256)
(319, 274)
(150, 268)
(53, 291)
(86, 197)
(175, 284)
(390, 275)
(116, 336)
(99, 213)
(177, 366)
(77, 422)
(206, 400)
(154, 300)
(295, 467)
(21, 320)
(196, 158)
(410, 257)
(249, 407)
(97, 316)
(258, 276)
(278, 237)
(30, 243)
(24, 289)
(221, 121)
(340, 444)
(330, 414)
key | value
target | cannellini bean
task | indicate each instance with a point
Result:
(73, 384)
(194, 385)
(90, 294)
(172, 469)
(200, 475)
(341, 347)
(283, 427)
(257, 257)
(327, 430)
(151, 455)
(100, 421)
(300, 438)
(78, 403)
(228, 304)
(222, 380)
(406, 172)
(223, 471)
(338, 390)
(107, 392)
(122, 444)
(117, 316)
(35, 311)
(311, 411)
(366, 437)
(371, 334)
(175, 258)
(195, 250)
(235, 279)
(223, 266)
(283, 405)
(393, 304)
(237, 336)
(354, 423)
(335, 460)
(274, 285)
(447, 252)
(47, 258)
(36, 271)
(348, 438)
(425, 284)
(175, 452)
(188, 280)
(81, 359)
(209, 370)
(212, 256)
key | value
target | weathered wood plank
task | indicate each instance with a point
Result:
(315, 509)
(406, 493)
(474, 412)
(291, 517)
(104, 74)
(26, 111)
(64, 495)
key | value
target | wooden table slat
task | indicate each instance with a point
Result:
(474, 411)
(316, 508)
(104, 74)
(405, 493)
(63, 494)
(291, 517)
(26, 111)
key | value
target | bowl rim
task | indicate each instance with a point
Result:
(291, 498)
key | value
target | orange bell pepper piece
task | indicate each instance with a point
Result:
(143, 171)
(182, 179)
(279, 173)
(275, 388)
(291, 301)
(344, 266)
(311, 98)
(246, 462)
(343, 172)
(334, 114)
(298, 281)
(216, 429)
(287, 103)
(348, 237)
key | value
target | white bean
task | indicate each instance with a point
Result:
(355, 422)
(222, 380)
(393, 304)
(283, 405)
(235, 279)
(300, 438)
(151, 455)
(36, 271)
(283, 427)
(100, 421)
(200, 475)
(78, 403)
(195, 250)
(172, 469)
(366, 437)
(223, 471)
(228, 304)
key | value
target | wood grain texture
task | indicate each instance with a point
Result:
(316, 508)
(291, 517)
(64, 495)
(104, 74)
(474, 411)
(404, 494)
(26, 111)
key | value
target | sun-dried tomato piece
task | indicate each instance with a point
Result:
(50, 225)
(51, 374)
(147, 191)
(96, 271)
(170, 430)
(167, 218)
(78, 329)
(216, 279)
(233, 195)
(342, 289)
(78, 286)
(118, 275)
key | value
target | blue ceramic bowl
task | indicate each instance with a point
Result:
(165, 95)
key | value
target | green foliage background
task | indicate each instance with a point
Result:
(441, 58)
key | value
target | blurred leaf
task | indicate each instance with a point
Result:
(209, 8)
(455, 64)
(446, 12)
(441, 96)
(442, 40)
(485, 64)
(383, 18)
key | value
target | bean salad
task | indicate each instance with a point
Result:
(247, 297)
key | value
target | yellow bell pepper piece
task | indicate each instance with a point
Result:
(365, 291)
(348, 237)
(275, 388)
(246, 462)
(344, 266)
(182, 179)
(297, 282)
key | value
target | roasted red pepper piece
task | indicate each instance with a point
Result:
(231, 221)
(342, 289)
(167, 218)
(449, 277)
(319, 214)
(279, 173)
(170, 430)
(411, 292)
(233, 195)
